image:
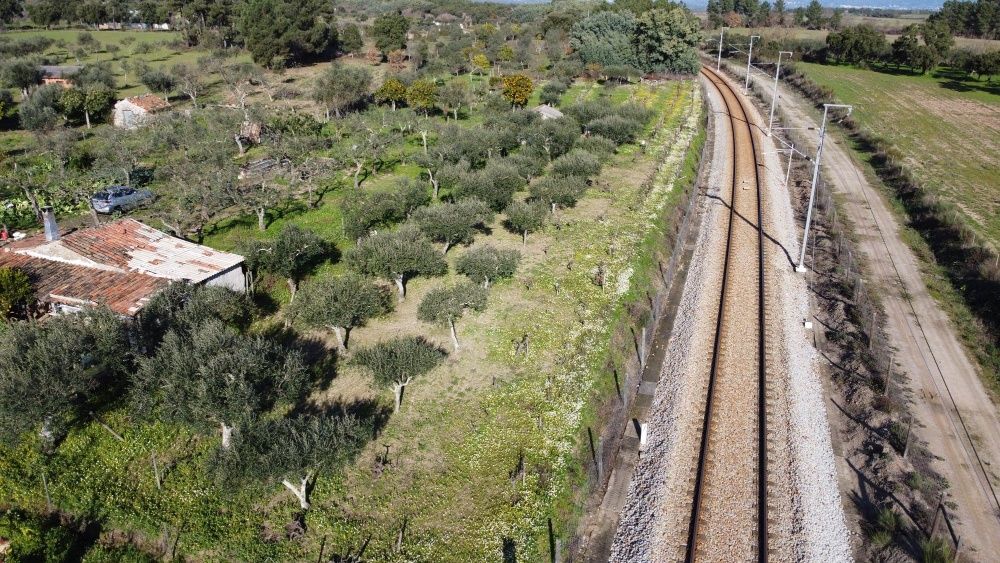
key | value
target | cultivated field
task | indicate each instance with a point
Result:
(947, 128)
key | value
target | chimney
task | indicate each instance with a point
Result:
(51, 227)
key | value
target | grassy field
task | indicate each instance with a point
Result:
(161, 55)
(779, 33)
(947, 127)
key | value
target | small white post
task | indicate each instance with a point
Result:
(788, 171)
(718, 62)
(812, 190)
(746, 87)
(774, 91)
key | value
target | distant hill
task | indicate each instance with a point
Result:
(891, 4)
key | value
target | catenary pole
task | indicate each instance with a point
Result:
(788, 171)
(815, 177)
(718, 61)
(774, 91)
(746, 87)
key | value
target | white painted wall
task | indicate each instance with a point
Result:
(233, 278)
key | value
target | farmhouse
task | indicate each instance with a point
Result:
(130, 113)
(120, 265)
(60, 75)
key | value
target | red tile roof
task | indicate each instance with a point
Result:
(72, 284)
(149, 102)
(127, 244)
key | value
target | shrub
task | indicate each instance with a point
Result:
(619, 129)
(558, 191)
(578, 163)
(598, 146)
(552, 92)
(15, 292)
(524, 218)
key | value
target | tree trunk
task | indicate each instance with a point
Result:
(401, 288)
(227, 436)
(357, 172)
(456, 113)
(486, 283)
(423, 135)
(33, 201)
(553, 208)
(454, 335)
(293, 286)
(398, 390)
(301, 492)
(239, 143)
(343, 333)
(393, 105)
(261, 225)
(328, 114)
(86, 118)
(93, 215)
(447, 245)
(524, 238)
(434, 183)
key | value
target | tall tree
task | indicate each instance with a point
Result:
(390, 31)
(392, 91)
(666, 40)
(396, 362)
(453, 223)
(606, 38)
(280, 32)
(340, 304)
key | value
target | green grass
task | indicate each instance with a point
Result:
(947, 128)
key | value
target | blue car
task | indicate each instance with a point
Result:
(117, 199)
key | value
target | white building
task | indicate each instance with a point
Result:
(130, 113)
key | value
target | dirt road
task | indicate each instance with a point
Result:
(957, 418)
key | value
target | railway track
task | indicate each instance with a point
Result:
(729, 517)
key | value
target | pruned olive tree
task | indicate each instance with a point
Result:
(291, 255)
(453, 223)
(445, 305)
(558, 191)
(524, 218)
(53, 373)
(214, 377)
(576, 162)
(340, 304)
(291, 451)
(487, 264)
(396, 257)
(395, 363)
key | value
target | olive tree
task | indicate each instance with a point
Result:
(396, 362)
(53, 373)
(558, 191)
(397, 256)
(524, 218)
(291, 255)
(487, 264)
(291, 451)
(578, 163)
(453, 96)
(214, 377)
(445, 305)
(453, 223)
(341, 88)
(340, 304)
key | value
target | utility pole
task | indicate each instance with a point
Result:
(812, 190)
(718, 62)
(774, 91)
(746, 87)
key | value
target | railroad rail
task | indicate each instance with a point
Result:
(735, 362)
